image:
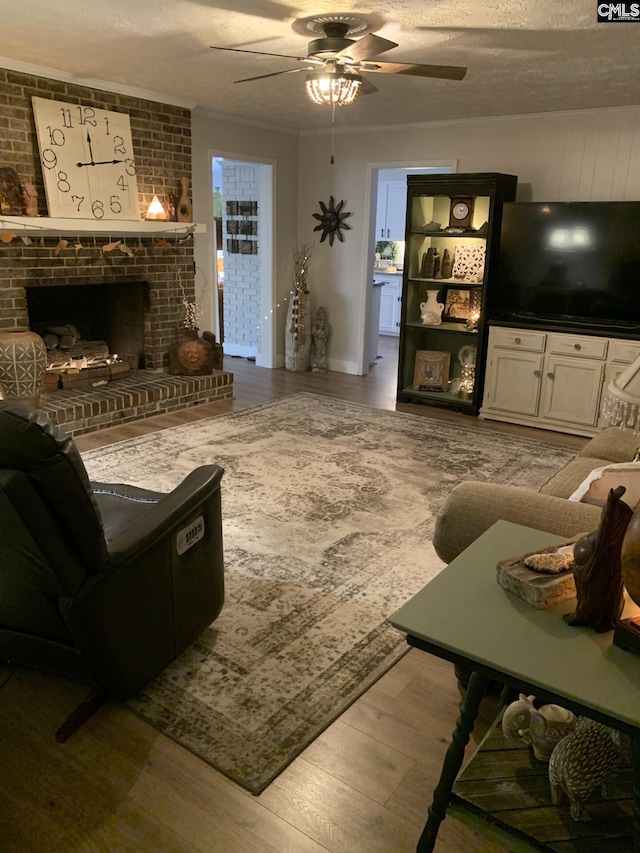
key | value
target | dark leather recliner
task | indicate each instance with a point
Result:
(106, 583)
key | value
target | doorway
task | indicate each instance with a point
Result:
(242, 192)
(385, 258)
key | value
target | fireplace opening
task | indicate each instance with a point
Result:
(109, 313)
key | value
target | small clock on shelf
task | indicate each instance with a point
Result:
(87, 161)
(461, 212)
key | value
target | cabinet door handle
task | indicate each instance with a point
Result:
(551, 376)
(388, 233)
(536, 373)
(517, 340)
(577, 346)
(382, 233)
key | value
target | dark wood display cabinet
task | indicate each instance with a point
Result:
(452, 239)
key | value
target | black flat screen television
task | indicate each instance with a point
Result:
(574, 265)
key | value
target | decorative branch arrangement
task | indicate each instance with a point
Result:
(193, 311)
(301, 262)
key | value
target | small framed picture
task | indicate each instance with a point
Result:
(456, 304)
(431, 371)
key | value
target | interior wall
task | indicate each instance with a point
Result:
(211, 136)
(589, 155)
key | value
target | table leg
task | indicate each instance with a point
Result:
(453, 761)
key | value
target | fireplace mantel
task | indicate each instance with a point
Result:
(45, 225)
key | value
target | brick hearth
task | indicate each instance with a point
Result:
(138, 395)
(161, 135)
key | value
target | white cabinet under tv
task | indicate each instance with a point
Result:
(551, 379)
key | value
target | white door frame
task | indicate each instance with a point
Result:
(368, 256)
(266, 356)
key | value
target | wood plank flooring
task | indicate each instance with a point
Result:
(118, 785)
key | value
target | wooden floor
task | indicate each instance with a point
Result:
(118, 785)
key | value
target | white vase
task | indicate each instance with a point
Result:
(431, 310)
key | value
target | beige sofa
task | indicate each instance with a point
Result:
(472, 507)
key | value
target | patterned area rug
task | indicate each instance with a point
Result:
(328, 510)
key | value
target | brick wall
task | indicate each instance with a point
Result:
(161, 137)
(240, 182)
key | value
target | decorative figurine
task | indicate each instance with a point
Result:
(30, 197)
(581, 762)
(319, 338)
(597, 572)
(436, 264)
(447, 264)
(185, 211)
(170, 207)
(542, 728)
(427, 264)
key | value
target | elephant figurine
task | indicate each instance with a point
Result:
(583, 760)
(541, 728)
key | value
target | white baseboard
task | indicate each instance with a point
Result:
(240, 349)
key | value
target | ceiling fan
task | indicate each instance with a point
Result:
(334, 63)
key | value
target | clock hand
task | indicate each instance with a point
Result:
(90, 149)
(99, 162)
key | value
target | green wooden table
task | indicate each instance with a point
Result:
(464, 616)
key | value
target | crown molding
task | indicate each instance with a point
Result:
(454, 122)
(92, 83)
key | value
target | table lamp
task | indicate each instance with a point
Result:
(621, 407)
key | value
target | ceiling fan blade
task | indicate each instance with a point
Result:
(260, 53)
(366, 47)
(444, 72)
(273, 74)
(367, 87)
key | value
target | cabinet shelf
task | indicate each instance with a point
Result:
(46, 225)
(437, 397)
(460, 282)
(479, 234)
(429, 200)
(442, 327)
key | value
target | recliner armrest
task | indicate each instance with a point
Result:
(169, 512)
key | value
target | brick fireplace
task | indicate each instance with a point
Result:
(34, 268)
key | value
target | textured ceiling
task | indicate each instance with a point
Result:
(523, 56)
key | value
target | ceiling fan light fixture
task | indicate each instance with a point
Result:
(333, 88)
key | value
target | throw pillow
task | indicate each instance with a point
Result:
(595, 488)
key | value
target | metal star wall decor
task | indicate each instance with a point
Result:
(331, 221)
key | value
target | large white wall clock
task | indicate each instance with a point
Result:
(87, 161)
